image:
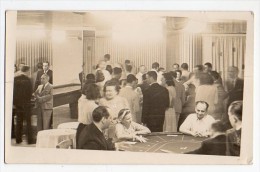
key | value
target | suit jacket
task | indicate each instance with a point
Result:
(38, 78)
(90, 137)
(45, 100)
(213, 146)
(235, 92)
(180, 96)
(233, 142)
(155, 102)
(22, 90)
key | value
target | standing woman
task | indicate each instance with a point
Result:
(170, 123)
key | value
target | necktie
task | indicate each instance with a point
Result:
(42, 88)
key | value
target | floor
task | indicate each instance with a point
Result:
(61, 114)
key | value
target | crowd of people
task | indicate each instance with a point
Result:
(119, 103)
(28, 92)
(139, 102)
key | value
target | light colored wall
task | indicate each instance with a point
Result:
(67, 61)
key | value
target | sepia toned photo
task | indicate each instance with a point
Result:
(129, 87)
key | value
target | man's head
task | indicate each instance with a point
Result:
(178, 74)
(127, 62)
(155, 66)
(201, 109)
(20, 66)
(198, 68)
(102, 117)
(106, 57)
(151, 77)
(25, 70)
(184, 66)
(235, 110)
(142, 69)
(44, 78)
(131, 80)
(207, 67)
(233, 72)
(117, 72)
(40, 66)
(175, 66)
(46, 65)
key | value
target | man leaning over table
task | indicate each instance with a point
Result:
(44, 103)
(198, 124)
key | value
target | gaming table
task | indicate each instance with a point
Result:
(167, 143)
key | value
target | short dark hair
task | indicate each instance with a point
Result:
(39, 65)
(184, 66)
(219, 126)
(155, 65)
(208, 64)
(107, 56)
(109, 69)
(130, 78)
(200, 67)
(99, 76)
(152, 74)
(46, 62)
(25, 68)
(99, 113)
(117, 71)
(112, 83)
(203, 102)
(127, 61)
(236, 108)
(144, 77)
(90, 76)
(128, 68)
(168, 79)
(91, 91)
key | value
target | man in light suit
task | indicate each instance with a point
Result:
(44, 103)
(46, 70)
(155, 102)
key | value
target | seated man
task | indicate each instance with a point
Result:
(216, 145)
(198, 124)
(234, 135)
(91, 136)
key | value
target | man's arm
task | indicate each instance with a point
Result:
(186, 127)
(145, 110)
(46, 97)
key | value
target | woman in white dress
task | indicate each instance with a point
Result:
(170, 124)
(128, 130)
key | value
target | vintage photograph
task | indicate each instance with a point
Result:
(129, 84)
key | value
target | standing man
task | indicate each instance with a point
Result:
(46, 70)
(21, 101)
(175, 66)
(155, 102)
(142, 70)
(207, 67)
(131, 96)
(155, 68)
(44, 103)
(185, 72)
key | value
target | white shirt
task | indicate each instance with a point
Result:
(85, 109)
(139, 77)
(193, 124)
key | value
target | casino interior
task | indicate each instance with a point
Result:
(73, 41)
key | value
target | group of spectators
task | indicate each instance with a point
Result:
(28, 92)
(122, 103)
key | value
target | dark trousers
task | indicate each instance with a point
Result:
(23, 113)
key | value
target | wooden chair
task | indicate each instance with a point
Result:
(65, 144)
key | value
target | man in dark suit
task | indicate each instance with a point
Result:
(234, 85)
(91, 136)
(46, 70)
(155, 102)
(216, 145)
(44, 103)
(21, 101)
